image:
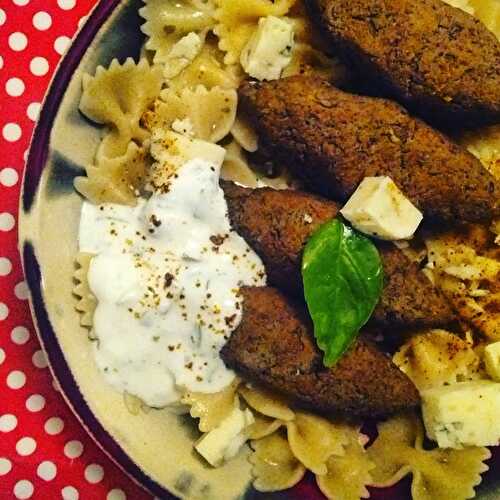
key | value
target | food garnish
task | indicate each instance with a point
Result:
(343, 279)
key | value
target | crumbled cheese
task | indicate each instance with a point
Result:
(224, 442)
(378, 208)
(182, 54)
(463, 414)
(269, 50)
(492, 360)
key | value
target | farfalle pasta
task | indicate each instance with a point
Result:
(207, 69)
(437, 358)
(212, 409)
(468, 276)
(266, 403)
(348, 475)
(117, 97)
(313, 440)
(236, 22)
(116, 179)
(274, 466)
(86, 300)
(167, 21)
(211, 113)
(437, 474)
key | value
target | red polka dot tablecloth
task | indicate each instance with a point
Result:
(44, 453)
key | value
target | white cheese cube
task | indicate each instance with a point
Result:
(269, 49)
(463, 414)
(224, 442)
(378, 208)
(182, 54)
(492, 360)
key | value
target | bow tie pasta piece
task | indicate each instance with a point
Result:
(466, 267)
(348, 475)
(437, 358)
(168, 21)
(266, 403)
(237, 21)
(313, 440)
(115, 180)
(207, 69)
(274, 466)
(212, 409)
(263, 426)
(438, 474)
(236, 168)
(117, 97)
(210, 112)
(86, 301)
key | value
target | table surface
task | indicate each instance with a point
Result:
(44, 452)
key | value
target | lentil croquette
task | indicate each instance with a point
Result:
(333, 140)
(438, 61)
(274, 345)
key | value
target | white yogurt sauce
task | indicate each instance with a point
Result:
(166, 275)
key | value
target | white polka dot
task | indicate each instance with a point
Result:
(39, 66)
(23, 489)
(20, 335)
(36, 402)
(18, 41)
(116, 494)
(5, 466)
(47, 470)
(4, 311)
(21, 290)
(11, 132)
(21, 2)
(7, 221)
(2, 355)
(69, 493)
(94, 473)
(55, 385)
(61, 44)
(1, 62)
(16, 379)
(39, 359)
(26, 446)
(8, 422)
(33, 111)
(66, 4)
(82, 21)
(53, 426)
(3, 17)
(42, 21)
(14, 87)
(5, 266)
(73, 449)
(8, 177)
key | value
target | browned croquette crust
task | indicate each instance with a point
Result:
(333, 140)
(277, 225)
(437, 60)
(273, 345)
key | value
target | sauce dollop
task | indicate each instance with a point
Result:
(166, 274)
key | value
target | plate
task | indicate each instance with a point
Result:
(154, 448)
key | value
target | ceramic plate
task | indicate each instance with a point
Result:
(155, 449)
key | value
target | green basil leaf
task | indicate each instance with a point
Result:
(343, 279)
